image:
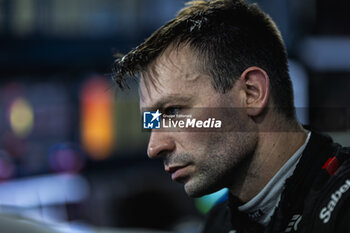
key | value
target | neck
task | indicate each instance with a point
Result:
(272, 152)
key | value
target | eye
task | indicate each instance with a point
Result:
(172, 110)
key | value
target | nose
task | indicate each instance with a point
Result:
(159, 144)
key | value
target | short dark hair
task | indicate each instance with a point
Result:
(229, 36)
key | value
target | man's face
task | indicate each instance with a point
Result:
(204, 161)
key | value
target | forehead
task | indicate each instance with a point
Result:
(176, 72)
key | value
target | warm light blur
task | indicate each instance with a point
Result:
(21, 117)
(97, 129)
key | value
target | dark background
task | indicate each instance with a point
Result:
(72, 150)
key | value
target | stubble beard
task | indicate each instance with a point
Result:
(220, 170)
(209, 178)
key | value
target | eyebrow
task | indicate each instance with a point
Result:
(171, 98)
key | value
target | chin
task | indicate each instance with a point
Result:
(195, 190)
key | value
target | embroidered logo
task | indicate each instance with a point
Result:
(293, 224)
(256, 215)
(326, 212)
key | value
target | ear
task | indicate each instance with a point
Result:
(256, 87)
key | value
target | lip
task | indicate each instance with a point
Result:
(176, 172)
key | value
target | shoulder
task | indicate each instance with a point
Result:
(342, 223)
(331, 212)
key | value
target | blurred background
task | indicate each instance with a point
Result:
(72, 152)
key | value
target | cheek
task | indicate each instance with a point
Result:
(192, 141)
(217, 148)
(229, 148)
(204, 146)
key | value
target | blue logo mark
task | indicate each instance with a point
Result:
(151, 120)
